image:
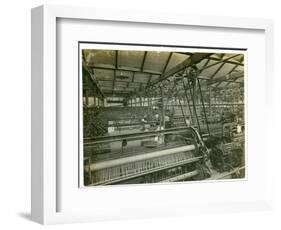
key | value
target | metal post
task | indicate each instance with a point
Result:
(183, 113)
(187, 99)
(194, 108)
(163, 107)
(210, 109)
(204, 110)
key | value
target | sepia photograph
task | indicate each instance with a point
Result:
(161, 114)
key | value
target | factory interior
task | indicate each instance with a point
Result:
(162, 117)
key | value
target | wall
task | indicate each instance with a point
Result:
(15, 113)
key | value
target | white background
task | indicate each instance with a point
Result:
(15, 114)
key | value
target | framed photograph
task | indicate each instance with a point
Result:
(156, 114)
(141, 114)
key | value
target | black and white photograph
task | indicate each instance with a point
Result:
(151, 114)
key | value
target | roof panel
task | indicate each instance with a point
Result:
(100, 57)
(105, 88)
(209, 71)
(240, 68)
(154, 77)
(236, 57)
(106, 83)
(120, 84)
(201, 64)
(130, 89)
(156, 61)
(141, 77)
(217, 55)
(124, 76)
(176, 59)
(224, 70)
(103, 74)
(131, 59)
(134, 84)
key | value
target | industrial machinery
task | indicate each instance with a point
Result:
(143, 123)
(184, 158)
(227, 151)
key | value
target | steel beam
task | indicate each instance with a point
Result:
(167, 63)
(143, 61)
(221, 61)
(194, 59)
(217, 59)
(123, 69)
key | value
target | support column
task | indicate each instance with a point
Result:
(163, 107)
(194, 106)
(203, 104)
(210, 109)
(187, 99)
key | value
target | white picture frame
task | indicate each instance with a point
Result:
(45, 182)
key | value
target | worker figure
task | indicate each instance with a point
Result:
(187, 121)
(143, 122)
(157, 119)
(167, 122)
